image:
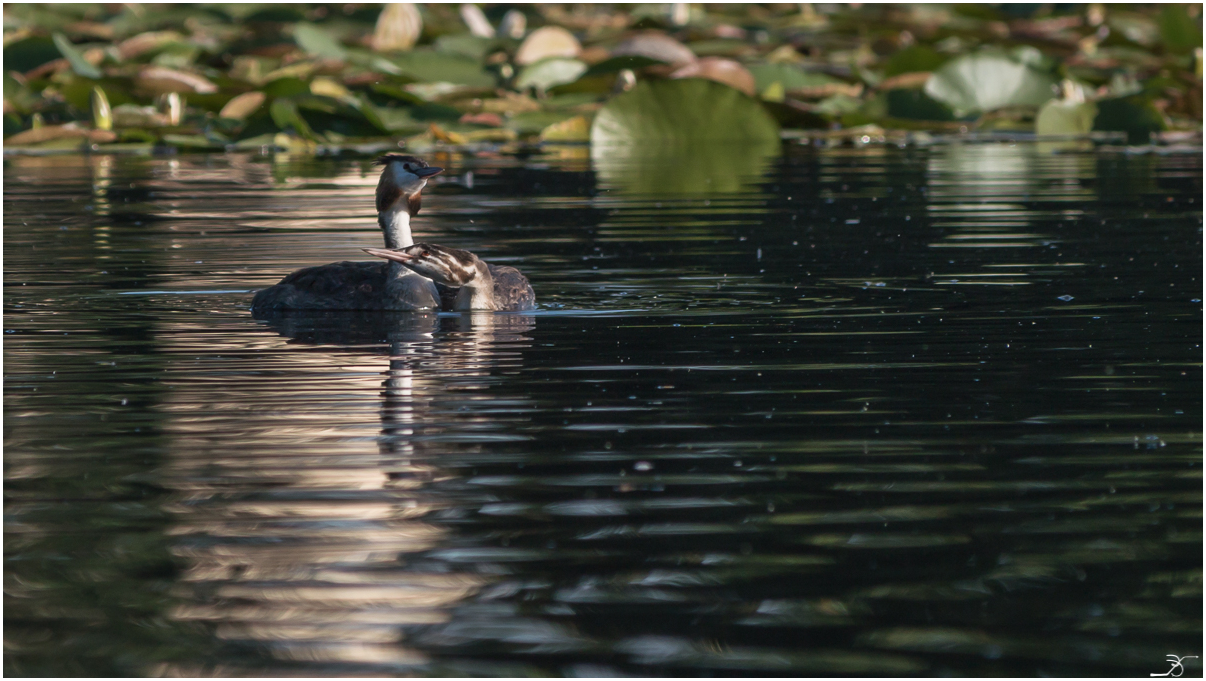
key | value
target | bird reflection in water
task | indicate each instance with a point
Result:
(301, 548)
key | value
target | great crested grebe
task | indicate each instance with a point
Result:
(479, 286)
(372, 285)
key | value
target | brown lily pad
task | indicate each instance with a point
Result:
(720, 70)
(159, 80)
(243, 105)
(657, 46)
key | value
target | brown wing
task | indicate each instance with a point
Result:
(338, 286)
(511, 289)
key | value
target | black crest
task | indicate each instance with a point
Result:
(386, 159)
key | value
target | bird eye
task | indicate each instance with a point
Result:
(406, 166)
(425, 254)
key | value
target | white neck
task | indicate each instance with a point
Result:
(395, 222)
(478, 294)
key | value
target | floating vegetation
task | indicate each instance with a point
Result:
(334, 77)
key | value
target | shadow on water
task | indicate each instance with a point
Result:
(850, 410)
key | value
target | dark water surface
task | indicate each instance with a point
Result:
(869, 411)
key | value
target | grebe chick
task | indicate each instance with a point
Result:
(372, 285)
(480, 286)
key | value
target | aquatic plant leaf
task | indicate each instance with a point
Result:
(475, 19)
(614, 64)
(318, 42)
(286, 115)
(550, 72)
(286, 87)
(576, 129)
(721, 70)
(80, 65)
(914, 104)
(1133, 115)
(790, 77)
(464, 45)
(513, 25)
(30, 53)
(159, 80)
(133, 116)
(398, 27)
(688, 110)
(1065, 118)
(657, 46)
(102, 115)
(1178, 31)
(912, 59)
(988, 80)
(546, 42)
(432, 67)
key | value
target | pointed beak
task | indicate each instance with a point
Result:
(396, 256)
(428, 172)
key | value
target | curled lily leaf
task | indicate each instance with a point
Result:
(102, 115)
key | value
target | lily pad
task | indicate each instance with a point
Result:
(615, 64)
(286, 115)
(790, 77)
(690, 110)
(30, 53)
(1179, 32)
(912, 104)
(465, 45)
(576, 129)
(989, 80)
(1065, 118)
(80, 65)
(316, 41)
(913, 59)
(721, 70)
(546, 42)
(550, 72)
(1133, 115)
(655, 45)
(398, 27)
(430, 66)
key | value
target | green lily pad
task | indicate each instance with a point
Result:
(286, 115)
(791, 77)
(1133, 115)
(430, 66)
(286, 87)
(30, 53)
(989, 80)
(689, 110)
(80, 65)
(465, 45)
(913, 59)
(1179, 32)
(616, 64)
(1065, 118)
(911, 104)
(317, 41)
(547, 73)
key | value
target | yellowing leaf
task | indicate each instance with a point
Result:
(576, 129)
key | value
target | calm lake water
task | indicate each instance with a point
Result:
(871, 410)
